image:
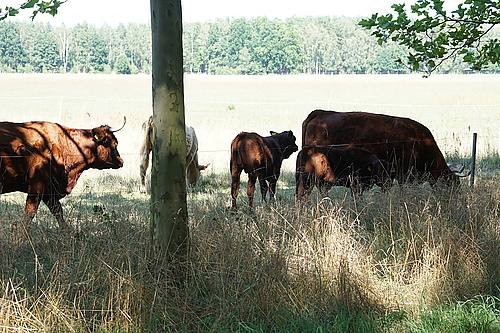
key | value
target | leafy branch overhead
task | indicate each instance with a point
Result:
(432, 34)
(38, 6)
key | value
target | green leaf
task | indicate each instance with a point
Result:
(29, 4)
(13, 11)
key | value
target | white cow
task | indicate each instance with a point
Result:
(192, 167)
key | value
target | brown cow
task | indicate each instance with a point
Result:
(45, 160)
(355, 168)
(261, 158)
(405, 144)
(192, 167)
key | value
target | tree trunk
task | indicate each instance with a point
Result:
(169, 228)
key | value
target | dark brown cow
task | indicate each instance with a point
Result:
(261, 158)
(355, 168)
(192, 167)
(405, 144)
(45, 160)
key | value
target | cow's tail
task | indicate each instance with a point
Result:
(235, 155)
(145, 150)
(191, 145)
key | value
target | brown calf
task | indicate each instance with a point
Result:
(355, 168)
(261, 158)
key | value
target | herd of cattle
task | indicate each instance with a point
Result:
(352, 149)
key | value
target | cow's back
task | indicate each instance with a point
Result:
(359, 128)
(23, 146)
(191, 146)
(36, 136)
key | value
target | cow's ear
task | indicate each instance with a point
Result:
(96, 136)
(273, 132)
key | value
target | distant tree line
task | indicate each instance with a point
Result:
(42, 48)
(313, 45)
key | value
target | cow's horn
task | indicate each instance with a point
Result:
(91, 121)
(113, 129)
(462, 174)
(456, 167)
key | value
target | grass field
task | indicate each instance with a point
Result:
(413, 259)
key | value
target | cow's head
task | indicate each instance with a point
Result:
(286, 141)
(450, 177)
(106, 152)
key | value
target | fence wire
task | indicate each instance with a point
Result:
(59, 102)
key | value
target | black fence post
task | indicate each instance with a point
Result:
(473, 161)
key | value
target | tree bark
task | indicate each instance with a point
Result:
(169, 219)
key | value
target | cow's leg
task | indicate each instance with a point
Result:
(252, 179)
(354, 185)
(263, 188)
(32, 203)
(56, 209)
(302, 186)
(358, 186)
(235, 185)
(192, 169)
(143, 168)
(272, 187)
(192, 175)
(323, 187)
(303, 181)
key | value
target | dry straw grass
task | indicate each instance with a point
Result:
(403, 250)
(397, 251)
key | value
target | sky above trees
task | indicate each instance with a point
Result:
(98, 12)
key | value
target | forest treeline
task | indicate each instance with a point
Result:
(313, 45)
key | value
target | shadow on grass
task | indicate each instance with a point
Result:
(325, 268)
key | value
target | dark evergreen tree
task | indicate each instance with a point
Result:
(122, 64)
(12, 53)
(90, 49)
(44, 54)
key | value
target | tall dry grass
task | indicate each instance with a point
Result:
(383, 253)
